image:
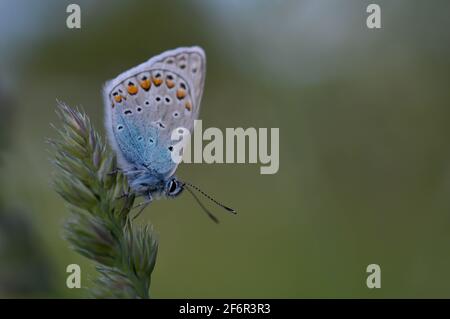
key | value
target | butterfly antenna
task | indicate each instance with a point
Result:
(214, 218)
(231, 210)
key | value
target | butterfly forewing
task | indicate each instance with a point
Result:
(145, 104)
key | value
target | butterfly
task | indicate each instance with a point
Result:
(143, 106)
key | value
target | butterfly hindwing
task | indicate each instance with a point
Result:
(145, 104)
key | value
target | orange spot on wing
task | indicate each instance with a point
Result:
(181, 94)
(118, 98)
(188, 106)
(170, 83)
(157, 81)
(145, 84)
(132, 89)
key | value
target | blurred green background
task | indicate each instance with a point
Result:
(364, 118)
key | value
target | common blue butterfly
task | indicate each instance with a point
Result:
(143, 106)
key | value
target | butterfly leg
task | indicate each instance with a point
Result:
(144, 204)
(125, 194)
(115, 171)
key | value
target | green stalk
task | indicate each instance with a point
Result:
(99, 226)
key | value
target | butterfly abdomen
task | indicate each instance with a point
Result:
(145, 182)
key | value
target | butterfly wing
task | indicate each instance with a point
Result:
(145, 104)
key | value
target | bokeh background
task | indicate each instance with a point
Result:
(364, 118)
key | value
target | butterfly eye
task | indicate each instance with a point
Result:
(173, 188)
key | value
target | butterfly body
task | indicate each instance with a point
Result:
(143, 106)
